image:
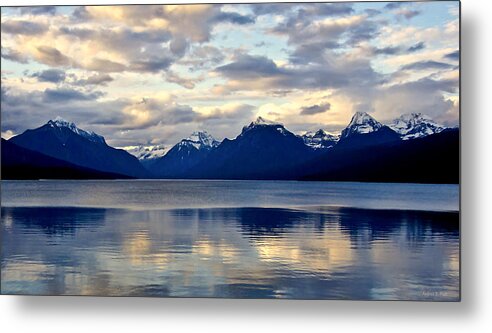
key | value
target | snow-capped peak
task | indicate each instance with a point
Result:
(262, 122)
(59, 122)
(321, 133)
(415, 125)
(203, 138)
(147, 152)
(361, 123)
(200, 140)
(320, 139)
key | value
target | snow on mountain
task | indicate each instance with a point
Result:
(415, 125)
(59, 122)
(320, 139)
(199, 140)
(361, 123)
(147, 152)
(261, 122)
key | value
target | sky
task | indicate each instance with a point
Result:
(153, 74)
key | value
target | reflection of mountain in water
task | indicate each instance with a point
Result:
(59, 221)
(337, 253)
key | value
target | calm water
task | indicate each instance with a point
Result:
(231, 239)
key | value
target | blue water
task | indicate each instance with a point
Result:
(248, 239)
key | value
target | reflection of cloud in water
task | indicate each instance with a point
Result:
(235, 252)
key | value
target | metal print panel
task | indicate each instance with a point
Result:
(270, 150)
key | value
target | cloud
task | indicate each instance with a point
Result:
(142, 39)
(188, 83)
(179, 46)
(18, 27)
(455, 55)
(315, 109)
(194, 21)
(38, 10)
(22, 110)
(416, 47)
(104, 65)
(407, 13)
(51, 56)
(325, 10)
(66, 94)
(154, 64)
(232, 17)
(250, 67)
(317, 52)
(301, 32)
(389, 50)
(225, 113)
(318, 39)
(154, 111)
(13, 55)
(425, 65)
(95, 80)
(260, 73)
(424, 96)
(270, 8)
(50, 75)
(393, 5)
(203, 56)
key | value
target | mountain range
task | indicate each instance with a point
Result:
(412, 148)
(64, 141)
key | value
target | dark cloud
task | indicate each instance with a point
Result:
(38, 10)
(303, 10)
(270, 8)
(258, 72)
(23, 110)
(347, 33)
(82, 33)
(80, 14)
(424, 65)
(179, 46)
(315, 109)
(66, 94)
(324, 9)
(390, 50)
(247, 66)
(362, 32)
(234, 18)
(393, 5)
(13, 55)
(53, 57)
(455, 55)
(312, 53)
(50, 75)
(23, 27)
(178, 114)
(151, 65)
(417, 47)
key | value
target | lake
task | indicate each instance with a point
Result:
(241, 239)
